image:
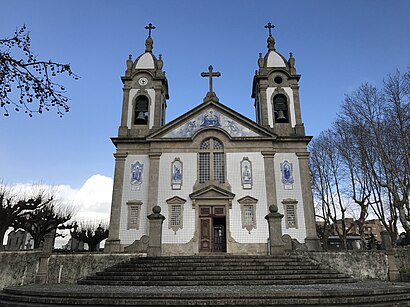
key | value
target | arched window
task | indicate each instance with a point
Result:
(280, 109)
(141, 111)
(211, 161)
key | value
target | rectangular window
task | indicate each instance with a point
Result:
(133, 216)
(219, 169)
(176, 217)
(204, 167)
(291, 216)
(248, 215)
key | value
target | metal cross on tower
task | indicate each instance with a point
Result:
(270, 27)
(149, 28)
(210, 74)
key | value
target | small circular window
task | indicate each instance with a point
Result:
(278, 80)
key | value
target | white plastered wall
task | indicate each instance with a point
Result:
(129, 236)
(298, 233)
(289, 92)
(132, 95)
(258, 191)
(165, 192)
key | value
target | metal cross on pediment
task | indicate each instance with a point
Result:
(149, 28)
(210, 74)
(269, 26)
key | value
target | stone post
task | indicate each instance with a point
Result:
(274, 218)
(155, 232)
(394, 274)
(42, 269)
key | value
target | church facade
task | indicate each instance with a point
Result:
(213, 172)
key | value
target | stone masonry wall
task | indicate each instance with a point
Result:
(359, 264)
(403, 258)
(68, 268)
(19, 268)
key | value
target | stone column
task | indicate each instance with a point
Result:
(312, 240)
(274, 218)
(113, 242)
(270, 183)
(153, 180)
(155, 232)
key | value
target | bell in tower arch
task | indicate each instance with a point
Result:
(141, 111)
(280, 108)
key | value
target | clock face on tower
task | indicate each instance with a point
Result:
(143, 81)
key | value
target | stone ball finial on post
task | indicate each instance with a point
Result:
(156, 220)
(274, 218)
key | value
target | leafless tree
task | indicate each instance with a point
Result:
(29, 84)
(328, 180)
(44, 220)
(90, 232)
(13, 204)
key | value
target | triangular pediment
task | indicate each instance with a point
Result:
(247, 200)
(211, 115)
(176, 200)
(212, 192)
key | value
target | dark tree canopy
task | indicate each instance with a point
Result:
(26, 83)
(42, 221)
(13, 205)
(90, 233)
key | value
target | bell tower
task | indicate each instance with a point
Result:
(276, 92)
(145, 93)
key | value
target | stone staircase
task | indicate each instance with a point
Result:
(212, 281)
(216, 270)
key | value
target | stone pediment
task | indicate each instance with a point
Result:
(211, 115)
(176, 200)
(212, 192)
(247, 200)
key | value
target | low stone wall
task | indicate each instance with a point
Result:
(403, 258)
(359, 264)
(68, 268)
(19, 268)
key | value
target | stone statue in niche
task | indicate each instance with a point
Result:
(176, 174)
(287, 174)
(137, 170)
(246, 173)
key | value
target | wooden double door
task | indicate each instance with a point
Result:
(212, 221)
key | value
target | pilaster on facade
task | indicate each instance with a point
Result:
(153, 179)
(270, 182)
(312, 240)
(113, 241)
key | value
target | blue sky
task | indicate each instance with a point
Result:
(337, 46)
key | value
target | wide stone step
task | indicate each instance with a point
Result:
(128, 268)
(216, 277)
(201, 271)
(75, 295)
(223, 282)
